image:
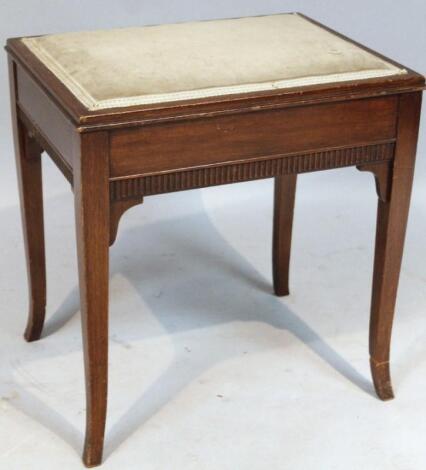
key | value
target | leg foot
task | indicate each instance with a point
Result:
(382, 379)
(92, 454)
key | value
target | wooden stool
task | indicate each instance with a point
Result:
(136, 112)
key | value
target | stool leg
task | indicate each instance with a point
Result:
(92, 223)
(28, 163)
(284, 197)
(392, 217)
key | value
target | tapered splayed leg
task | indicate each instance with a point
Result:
(92, 222)
(392, 217)
(284, 197)
(30, 186)
(28, 164)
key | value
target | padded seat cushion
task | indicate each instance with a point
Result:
(154, 64)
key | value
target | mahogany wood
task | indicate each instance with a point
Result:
(28, 164)
(114, 158)
(382, 172)
(92, 223)
(52, 123)
(284, 198)
(391, 224)
(133, 186)
(54, 154)
(117, 209)
(170, 146)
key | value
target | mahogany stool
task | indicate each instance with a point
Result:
(135, 112)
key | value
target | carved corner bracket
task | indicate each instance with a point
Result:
(117, 209)
(382, 172)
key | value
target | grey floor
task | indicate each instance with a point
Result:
(208, 370)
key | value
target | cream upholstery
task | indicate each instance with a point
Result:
(153, 64)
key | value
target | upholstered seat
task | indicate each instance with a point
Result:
(145, 65)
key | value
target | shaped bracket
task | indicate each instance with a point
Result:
(117, 209)
(382, 172)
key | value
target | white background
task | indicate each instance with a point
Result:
(208, 370)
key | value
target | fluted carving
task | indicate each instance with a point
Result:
(251, 170)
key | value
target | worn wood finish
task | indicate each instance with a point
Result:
(28, 164)
(115, 157)
(284, 198)
(92, 222)
(391, 224)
